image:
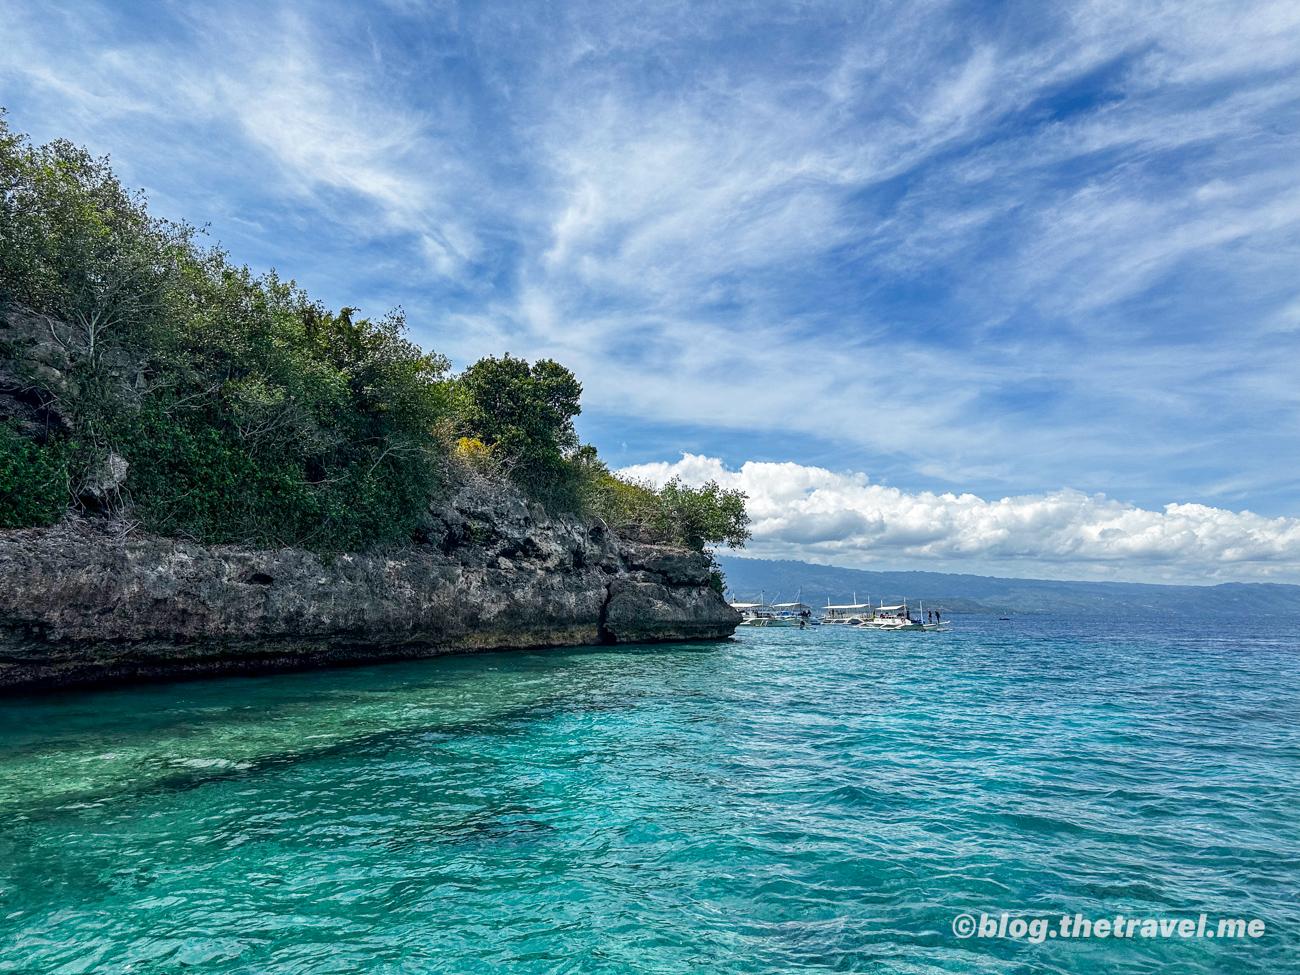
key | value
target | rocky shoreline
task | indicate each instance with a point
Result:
(83, 603)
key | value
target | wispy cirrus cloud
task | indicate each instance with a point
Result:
(278, 107)
(998, 247)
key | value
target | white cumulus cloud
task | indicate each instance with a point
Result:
(842, 518)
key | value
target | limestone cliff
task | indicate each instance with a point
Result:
(80, 604)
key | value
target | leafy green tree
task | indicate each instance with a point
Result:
(79, 248)
(525, 414)
(707, 515)
(246, 411)
(675, 514)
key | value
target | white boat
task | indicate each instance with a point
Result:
(797, 615)
(752, 613)
(846, 614)
(792, 614)
(895, 618)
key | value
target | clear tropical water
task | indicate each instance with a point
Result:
(791, 801)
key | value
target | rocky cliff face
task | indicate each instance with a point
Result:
(80, 605)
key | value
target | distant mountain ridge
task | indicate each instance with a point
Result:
(962, 593)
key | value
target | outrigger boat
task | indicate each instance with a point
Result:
(793, 614)
(797, 614)
(752, 613)
(774, 614)
(847, 614)
(899, 617)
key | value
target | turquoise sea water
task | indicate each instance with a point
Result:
(825, 800)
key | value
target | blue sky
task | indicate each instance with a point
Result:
(985, 250)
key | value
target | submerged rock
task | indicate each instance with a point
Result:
(80, 604)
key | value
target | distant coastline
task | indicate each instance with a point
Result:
(965, 593)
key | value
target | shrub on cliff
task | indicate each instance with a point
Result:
(246, 411)
(75, 245)
(524, 415)
(675, 514)
(33, 480)
(700, 516)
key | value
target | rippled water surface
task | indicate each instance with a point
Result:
(790, 801)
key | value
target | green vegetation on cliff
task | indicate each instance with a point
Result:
(144, 375)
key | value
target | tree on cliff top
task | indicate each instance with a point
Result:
(707, 515)
(696, 517)
(524, 414)
(244, 410)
